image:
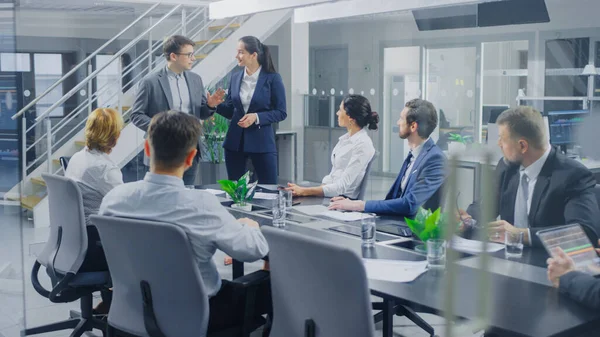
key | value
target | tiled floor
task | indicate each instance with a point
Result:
(20, 305)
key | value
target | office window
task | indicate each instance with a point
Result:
(48, 70)
(11, 62)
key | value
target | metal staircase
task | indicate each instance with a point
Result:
(46, 138)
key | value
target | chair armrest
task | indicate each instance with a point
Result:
(250, 280)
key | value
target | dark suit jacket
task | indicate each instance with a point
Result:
(581, 287)
(154, 96)
(563, 194)
(424, 184)
(268, 102)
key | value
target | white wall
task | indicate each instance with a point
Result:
(282, 38)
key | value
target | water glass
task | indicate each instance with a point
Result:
(279, 210)
(367, 232)
(436, 253)
(288, 198)
(514, 244)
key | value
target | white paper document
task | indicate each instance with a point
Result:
(394, 270)
(473, 246)
(323, 211)
(265, 196)
(213, 191)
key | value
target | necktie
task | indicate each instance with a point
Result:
(521, 201)
(403, 172)
(179, 92)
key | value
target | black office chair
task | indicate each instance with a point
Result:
(64, 162)
(62, 257)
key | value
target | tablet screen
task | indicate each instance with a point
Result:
(575, 243)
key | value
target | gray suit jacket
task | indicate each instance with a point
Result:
(154, 96)
(582, 287)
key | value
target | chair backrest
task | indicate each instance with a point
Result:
(67, 244)
(64, 162)
(160, 254)
(363, 184)
(312, 279)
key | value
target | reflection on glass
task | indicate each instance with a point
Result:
(48, 69)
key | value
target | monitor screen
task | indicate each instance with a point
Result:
(490, 113)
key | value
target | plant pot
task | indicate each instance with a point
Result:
(436, 253)
(246, 207)
(455, 147)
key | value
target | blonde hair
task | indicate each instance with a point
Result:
(102, 129)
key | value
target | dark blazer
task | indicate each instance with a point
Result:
(424, 183)
(268, 102)
(581, 287)
(154, 96)
(563, 194)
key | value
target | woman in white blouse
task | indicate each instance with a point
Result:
(351, 154)
(96, 174)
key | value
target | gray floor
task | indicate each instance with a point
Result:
(20, 305)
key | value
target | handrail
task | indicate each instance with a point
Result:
(72, 71)
(95, 73)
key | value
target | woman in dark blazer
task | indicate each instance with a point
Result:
(256, 99)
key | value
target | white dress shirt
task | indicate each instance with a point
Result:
(179, 91)
(247, 89)
(415, 154)
(532, 171)
(349, 159)
(208, 225)
(96, 174)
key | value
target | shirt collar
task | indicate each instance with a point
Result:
(171, 73)
(533, 171)
(355, 137)
(163, 179)
(417, 150)
(253, 76)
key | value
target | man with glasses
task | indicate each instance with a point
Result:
(174, 87)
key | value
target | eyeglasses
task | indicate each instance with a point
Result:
(189, 55)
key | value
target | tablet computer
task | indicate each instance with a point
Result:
(573, 240)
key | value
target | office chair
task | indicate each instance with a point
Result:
(157, 287)
(64, 162)
(62, 257)
(319, 289)
(364, 183)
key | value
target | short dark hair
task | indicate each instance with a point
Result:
(525, 122)
(358, 108)
(174, 43)
(424, 113)
(172, 135)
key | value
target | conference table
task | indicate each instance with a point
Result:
(522, 300)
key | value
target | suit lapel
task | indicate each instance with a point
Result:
(164, 83)
(392, 194)
(236, 85)
(541, 185)
(510, 195)
(262, 77)
(426, 147)
(190, 85)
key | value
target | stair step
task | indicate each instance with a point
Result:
(231, 26)
(30, 201)
(215, 41)
(56, 161)
(38, 181)
(80, 143)
(201, 56)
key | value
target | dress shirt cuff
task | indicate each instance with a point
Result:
(257, 119)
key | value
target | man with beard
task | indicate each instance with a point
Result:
(538, 187)
(422, 174)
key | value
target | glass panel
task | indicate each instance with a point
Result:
(451, 89)
(597, 64)
(15, 62)
(402, 82)
(108, 77)
(48, 70)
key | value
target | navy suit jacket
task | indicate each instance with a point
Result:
(424, 182)
(268, 102)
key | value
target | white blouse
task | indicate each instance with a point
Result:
(349, 158)
(248, 87)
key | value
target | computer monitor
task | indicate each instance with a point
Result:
(490, 112)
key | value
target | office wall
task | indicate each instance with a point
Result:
(282, 38)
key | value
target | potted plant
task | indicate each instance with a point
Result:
(457, 143)
(240, 191)
(429, 227)
(214, 130)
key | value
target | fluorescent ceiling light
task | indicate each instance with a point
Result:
(344, 9)
(230, 8)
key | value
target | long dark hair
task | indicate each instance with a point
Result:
(358, 108)
(253, 45)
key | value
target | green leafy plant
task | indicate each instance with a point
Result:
(214, 131)
(454, 137)
(240, 191)
(427, 224)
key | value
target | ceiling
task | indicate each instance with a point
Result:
(113, 7)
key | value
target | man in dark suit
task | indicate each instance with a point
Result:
(538, 187)
(175, 88)
(422, 174)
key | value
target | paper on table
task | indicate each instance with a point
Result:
(213, 191)
(265, 196)
(473, 246)
(394, 270)
(324, 211)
